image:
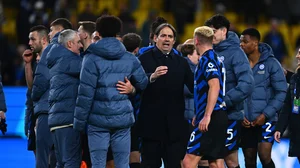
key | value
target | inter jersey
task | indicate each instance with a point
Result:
(209, 67)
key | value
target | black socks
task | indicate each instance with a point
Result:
(135, 165)
(269, 165)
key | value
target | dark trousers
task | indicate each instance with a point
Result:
(31, 145)
(44, 141)
(85, 150)
(67, 147)
(152, 151)
(52, 158)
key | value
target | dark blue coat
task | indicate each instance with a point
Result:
(288, 118)
(239, 79)
(64, 69)
(41, 82)
(270, 87)
(162, 108)
(99, 103)
(29, 104)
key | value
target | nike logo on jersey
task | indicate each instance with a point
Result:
(228, 144)
(267, 137)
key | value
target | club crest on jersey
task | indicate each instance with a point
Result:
(261, 66)
(221, 58)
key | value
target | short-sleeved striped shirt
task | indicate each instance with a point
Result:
(209, 67)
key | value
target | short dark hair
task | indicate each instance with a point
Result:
(158, 21)
(108, 26)
(218, 21)
(252, 32)
(131, 41)
(88, 26)
(187, 49)
(160, 27)
(63, 22)
(38, 28)
(42, 30)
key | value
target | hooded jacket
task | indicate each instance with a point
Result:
(239, 78)
(269, 89)
(64, 69)
(41, 82)
(99, 103)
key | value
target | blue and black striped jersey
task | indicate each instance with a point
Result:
(209, 67)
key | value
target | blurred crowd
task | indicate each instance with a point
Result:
(27, 13)
(253, 10)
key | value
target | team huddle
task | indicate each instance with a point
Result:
(96, 100)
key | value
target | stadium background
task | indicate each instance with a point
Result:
(17, 16)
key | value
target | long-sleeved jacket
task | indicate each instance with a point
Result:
(270, 87)
(2, 97)
(99, 103)
(41, 82)
(64, 69)
(286, 116)
(29, 112)
(162, 108)
(239, 79)
(289, 119)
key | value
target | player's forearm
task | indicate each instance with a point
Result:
(212, 97)
(28, 75)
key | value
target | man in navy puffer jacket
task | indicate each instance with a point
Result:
(38, 41)
(40, 95)
(108, 114)
(265, 101)
(239, 82)
(64, 69)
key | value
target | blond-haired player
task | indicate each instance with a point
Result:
(207, 139)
